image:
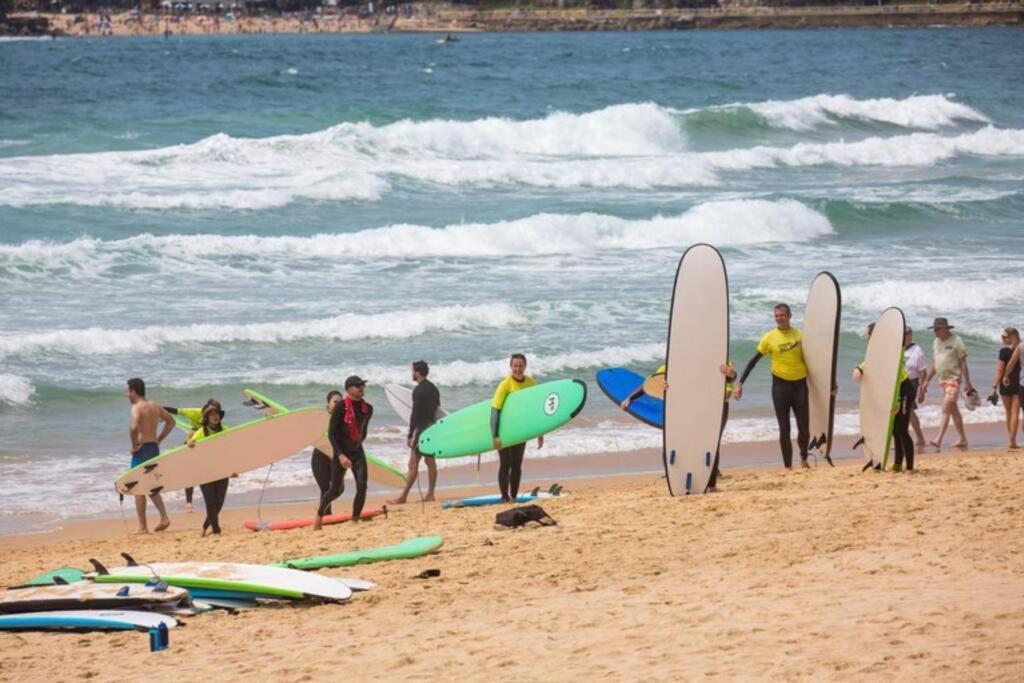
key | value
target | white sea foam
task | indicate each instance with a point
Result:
(390, 325)
(638, 146)
(15, 390)
(915, 149)
(724, 223)
(454, 373)
(929, 112)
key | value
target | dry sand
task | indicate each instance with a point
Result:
(823, 574)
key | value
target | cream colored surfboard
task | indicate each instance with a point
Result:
(234, 451)
(698, 344)
(878, 388)
(820, 346)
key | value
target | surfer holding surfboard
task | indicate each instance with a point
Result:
(426, 400)
(214, 492)
(789, 382)
(510, 458)
(350, 421)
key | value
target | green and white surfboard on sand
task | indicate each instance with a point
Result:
(408, 550)
(377, 470)
(527, 414)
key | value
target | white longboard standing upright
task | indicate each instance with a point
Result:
(879, 386)
(698, 344)
(820, 346)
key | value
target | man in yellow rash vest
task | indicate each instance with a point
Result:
(510, 459)
(789, 382)
(214, 492)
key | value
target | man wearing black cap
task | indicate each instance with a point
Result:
(949, 362)
(347, 431)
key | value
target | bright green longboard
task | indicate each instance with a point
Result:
(403, 551)
(377, 470)
(527, 414)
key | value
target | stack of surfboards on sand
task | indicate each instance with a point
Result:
(148, 596)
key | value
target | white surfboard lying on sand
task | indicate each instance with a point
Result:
(400, 399)
(88, 595)
(240, 449)
(698, 344)
(277, 578)
(820, 348)
(879, 388)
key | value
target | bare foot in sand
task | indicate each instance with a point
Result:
(318, 523)
(140, 532)
(935, 444)
(960, 444)
(428, 499)
(396, 501)
(919, 444)
(188, 508)
(162, 525)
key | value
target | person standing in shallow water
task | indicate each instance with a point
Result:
(146, 415)
(510, 458)
(789, 382)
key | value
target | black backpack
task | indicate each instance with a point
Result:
(517, 517)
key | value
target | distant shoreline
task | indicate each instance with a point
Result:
(431, 18)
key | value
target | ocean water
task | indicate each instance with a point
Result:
(212, 213)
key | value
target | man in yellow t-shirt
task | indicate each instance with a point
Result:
(510, 458)
(789, 382)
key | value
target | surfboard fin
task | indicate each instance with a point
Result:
(828, 459)
(858, 443)
(60, 581)
(867, 466)
(130, 560)
(100, 569)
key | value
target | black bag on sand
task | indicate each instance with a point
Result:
(521, 516)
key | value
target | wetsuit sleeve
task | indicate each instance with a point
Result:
(337, 421)
(419, 407)
(495, 422)
(750, 367)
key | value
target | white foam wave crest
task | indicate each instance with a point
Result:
(638, 146)
(452, 374)
(390, 325)
(915, 149)
(724, 223)
(15, 390)
(929, 112)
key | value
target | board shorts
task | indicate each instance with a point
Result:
(950, 389)
(146, 452)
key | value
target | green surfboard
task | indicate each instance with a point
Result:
(403, 551)
(526, 415)
(62, 575)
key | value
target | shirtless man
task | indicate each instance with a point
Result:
(146, 444)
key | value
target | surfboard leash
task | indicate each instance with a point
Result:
(259, 502)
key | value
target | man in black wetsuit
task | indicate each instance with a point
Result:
(426, 400)
(347, 431)
(320, 463)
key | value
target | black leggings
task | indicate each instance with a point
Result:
(321, 464)
(214, 494)
(510, 471)
(902, 443)
(337, 486)
(188, 494)
(791, 395)
(713, 481)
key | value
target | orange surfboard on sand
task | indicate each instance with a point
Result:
(287, 524)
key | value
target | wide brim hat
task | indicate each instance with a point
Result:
(941, 322)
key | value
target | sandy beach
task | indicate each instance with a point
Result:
(809, 575)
